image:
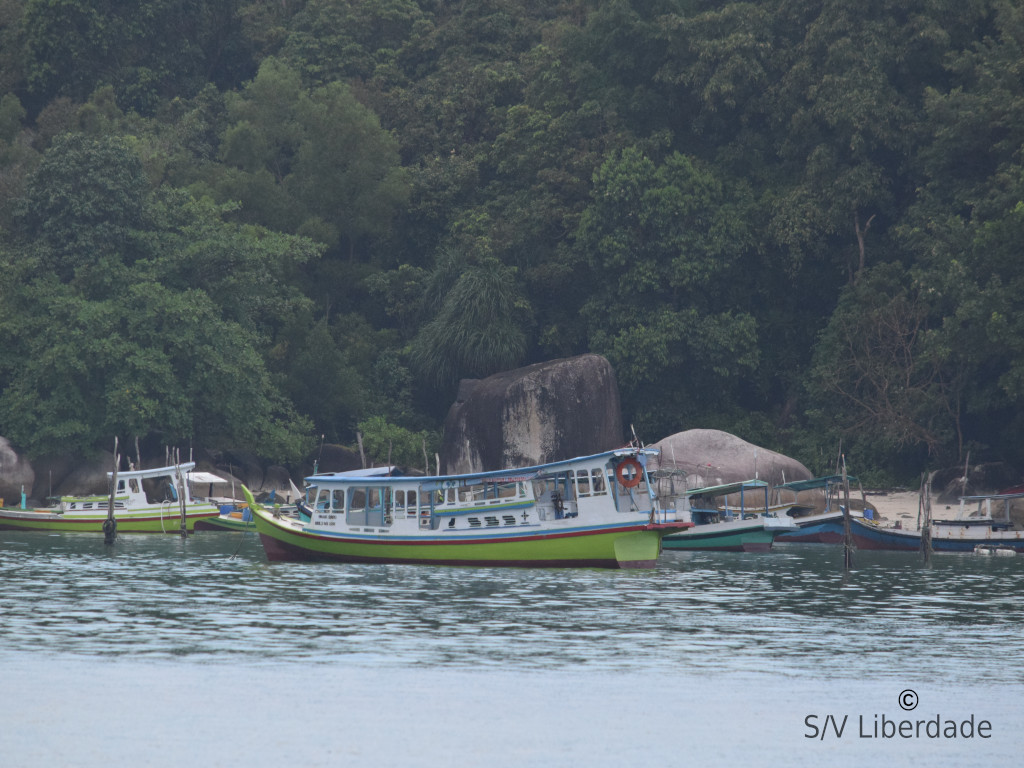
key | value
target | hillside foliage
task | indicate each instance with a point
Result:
(265, 223)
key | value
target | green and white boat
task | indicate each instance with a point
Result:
(742, 528)
(593, 511)
(145, 501)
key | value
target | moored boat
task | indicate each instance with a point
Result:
(231, 517)
(817, 527)
(592, 511)
(980, 520)
(145, 501)
(728, 528)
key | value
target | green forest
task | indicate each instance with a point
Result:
(265, 223)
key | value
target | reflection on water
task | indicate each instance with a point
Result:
(214, 597)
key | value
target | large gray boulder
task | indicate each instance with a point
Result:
(544, 412)
(706, 457)
(15, 473)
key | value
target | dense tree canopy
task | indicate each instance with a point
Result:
(245, 222)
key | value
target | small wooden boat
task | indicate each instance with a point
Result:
(232, 517)
(739, 528)
(592, 511)
(145, 501)
(980, 520)
(817, 527)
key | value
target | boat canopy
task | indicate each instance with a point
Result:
(436, 482)
(816, 482)
(994, 497)
(205, 477)
(355, 473)
(156, 471)
(727, 488)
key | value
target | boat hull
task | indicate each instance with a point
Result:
(234, 521)
(632, 546)
(827, 532)
(868, 536)
(753, 540)
(749, 534)
(141, 521)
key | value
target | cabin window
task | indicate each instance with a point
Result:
(510, 490)
(338, 500)
(366, 507)
(400, 500)
(410, 500)
(133, 484)
(597, 482)
(582, 482)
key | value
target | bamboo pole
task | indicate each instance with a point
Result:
(110, 524)
(926, 529)
(181, 492)
(847, 533)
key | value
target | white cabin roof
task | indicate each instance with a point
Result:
(205, 477)
(497, 476)
(155, 472)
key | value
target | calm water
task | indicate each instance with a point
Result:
(159, 651)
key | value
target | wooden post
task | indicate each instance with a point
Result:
(921, 502)
(181, 492)
(110, 524)
(926, 528)
(847, 533)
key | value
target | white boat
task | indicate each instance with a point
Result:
(146, 501)
(592, 511)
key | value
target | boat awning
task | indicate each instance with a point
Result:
(995, 497)
(816, 482)
(354, 473)
(728, 488)
(205, 477)
(155, 472)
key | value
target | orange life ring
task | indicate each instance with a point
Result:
(635, 473)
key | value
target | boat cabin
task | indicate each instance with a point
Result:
(136, 488)
(374, 500)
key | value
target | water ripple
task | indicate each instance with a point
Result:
(791, 609)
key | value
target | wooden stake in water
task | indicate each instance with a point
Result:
(847, 533)
(110, 524)
(926, 526)
(181, 492)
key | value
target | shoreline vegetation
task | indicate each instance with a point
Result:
(299, 221)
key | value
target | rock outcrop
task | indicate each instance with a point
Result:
(15, 473)
(711, 457)
(544, 412)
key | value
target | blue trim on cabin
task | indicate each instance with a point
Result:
(640, 455)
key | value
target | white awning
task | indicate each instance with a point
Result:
(205, 477)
